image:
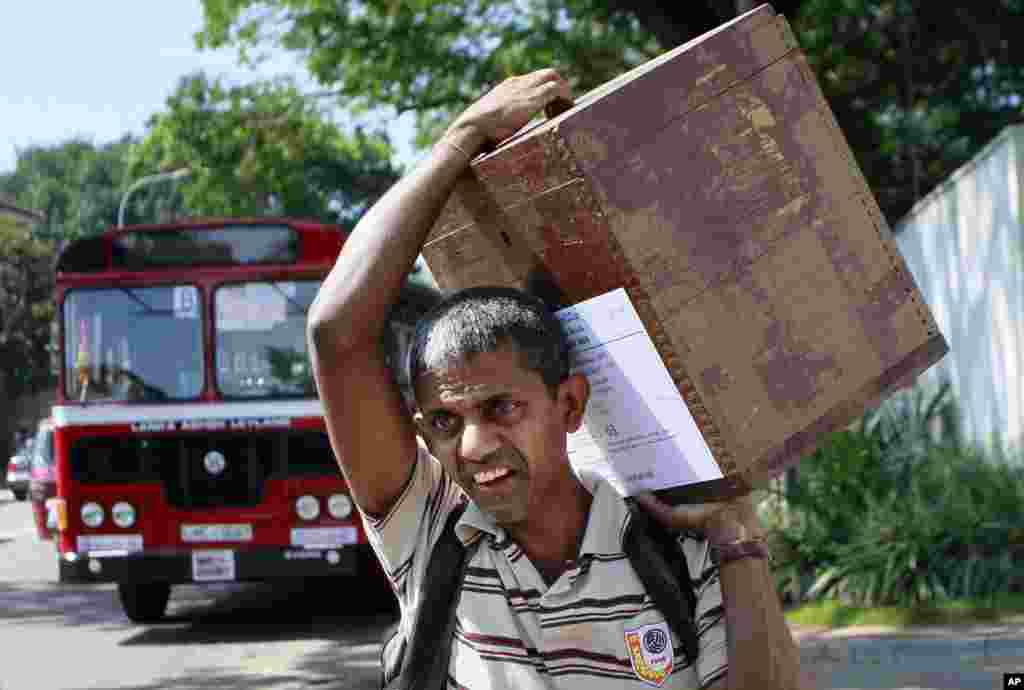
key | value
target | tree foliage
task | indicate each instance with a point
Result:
(432, 58)
(26, 309)
(77, 184)
(260, 149)
(917, 87)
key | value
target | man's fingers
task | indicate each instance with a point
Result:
(507, 106)
(549, 85)
(554, 90)
(541, 76)
(661, 512)
(554, 98)
(683, 516)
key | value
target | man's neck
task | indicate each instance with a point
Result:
(557, 535)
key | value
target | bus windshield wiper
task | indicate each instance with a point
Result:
(147, 308)
(290, 300)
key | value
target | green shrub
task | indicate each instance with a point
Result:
(897, 510)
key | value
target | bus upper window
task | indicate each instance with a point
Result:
(227, 246)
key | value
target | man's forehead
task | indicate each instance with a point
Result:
(476, 375)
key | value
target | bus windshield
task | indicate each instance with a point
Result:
(260, 331)
(133, 343)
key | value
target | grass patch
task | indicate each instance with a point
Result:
(833, 614)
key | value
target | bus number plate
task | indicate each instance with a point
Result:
(213, 565)
(199, 533)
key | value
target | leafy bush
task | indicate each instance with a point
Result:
(898, 510)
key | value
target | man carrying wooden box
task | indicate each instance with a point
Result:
(549, 597)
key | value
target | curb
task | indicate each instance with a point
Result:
(1011, 626)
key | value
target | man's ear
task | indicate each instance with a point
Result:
(422, 429)
(422, 426)
(574, 392)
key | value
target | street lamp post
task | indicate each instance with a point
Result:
(169, 175)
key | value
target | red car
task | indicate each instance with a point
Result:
(42, 485)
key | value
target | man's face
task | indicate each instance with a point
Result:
(497, 430)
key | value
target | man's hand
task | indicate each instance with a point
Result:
(503, 110)
(721, 522)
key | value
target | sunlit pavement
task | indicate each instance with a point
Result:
(273, 636)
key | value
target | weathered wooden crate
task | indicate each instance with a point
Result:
(715, 186)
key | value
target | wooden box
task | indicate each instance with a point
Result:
(715, 186)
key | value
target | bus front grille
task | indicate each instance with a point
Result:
(219, 471)
(196, 470)
(204, 470)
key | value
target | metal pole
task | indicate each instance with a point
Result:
(169, 175)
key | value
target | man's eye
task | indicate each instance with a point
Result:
(444, 423)
(505, 407)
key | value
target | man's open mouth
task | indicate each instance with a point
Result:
(488, 477)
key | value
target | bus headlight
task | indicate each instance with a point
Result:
(123, 514)
(339, 506)
(307, 507)
(92, 514)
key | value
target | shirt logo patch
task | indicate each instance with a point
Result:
(650, 652)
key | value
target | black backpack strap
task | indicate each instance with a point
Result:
(660, 563)
(427, 652)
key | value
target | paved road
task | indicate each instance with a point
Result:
(967, 658)
(961, 658)
(55, 637)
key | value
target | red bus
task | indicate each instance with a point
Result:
(189, 441)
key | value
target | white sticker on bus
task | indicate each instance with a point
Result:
(186, 302)
(94, 543)
(324, 537)
(213, 565)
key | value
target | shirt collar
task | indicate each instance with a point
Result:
(603, 535)
(475, 522)
(606, 523)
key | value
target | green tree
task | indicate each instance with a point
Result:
(261, 149)
(26, 312)
(76, 183)
(916, 87)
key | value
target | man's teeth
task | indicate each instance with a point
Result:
(490, 475)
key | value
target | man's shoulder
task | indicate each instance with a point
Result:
(425, 495)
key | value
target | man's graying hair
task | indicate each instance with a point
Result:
(485, 319)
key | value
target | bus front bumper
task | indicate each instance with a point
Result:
(180, 566)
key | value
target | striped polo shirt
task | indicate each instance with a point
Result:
(594, 628)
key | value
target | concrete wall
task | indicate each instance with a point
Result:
(965, 246)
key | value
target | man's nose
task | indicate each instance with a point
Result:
(477, 442)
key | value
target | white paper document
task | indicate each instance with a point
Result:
(637, 433)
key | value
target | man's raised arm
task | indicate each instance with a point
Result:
(371, 433)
